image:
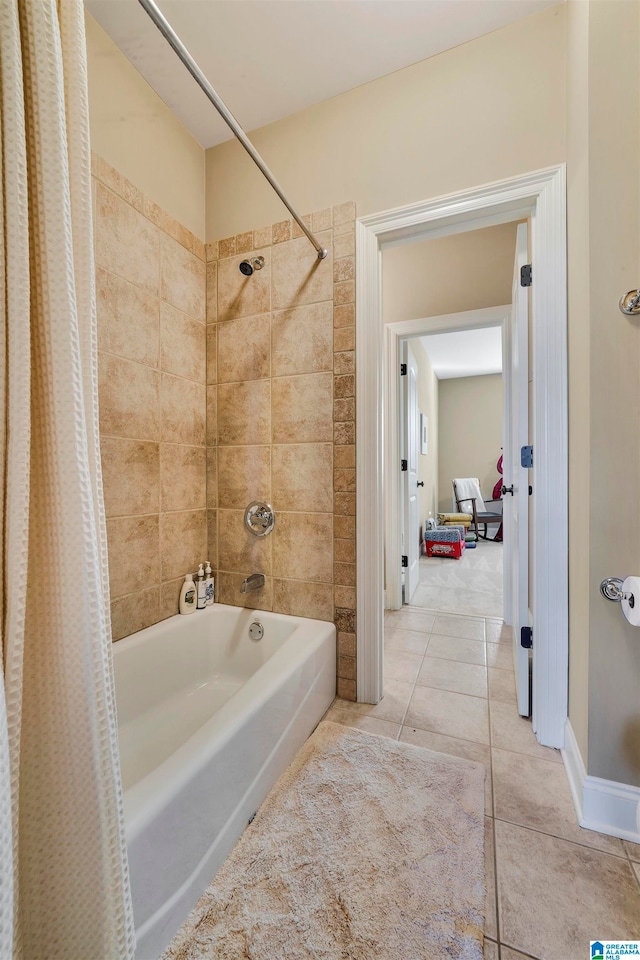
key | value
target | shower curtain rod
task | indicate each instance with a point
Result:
(179, 48)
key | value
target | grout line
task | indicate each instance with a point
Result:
(553, 836)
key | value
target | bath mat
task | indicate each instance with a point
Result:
(365, 849)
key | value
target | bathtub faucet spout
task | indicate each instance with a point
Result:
(254, 582)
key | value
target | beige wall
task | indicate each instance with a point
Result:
(135, 132)
(281, 421)
(604, 387)
(466, 271)
(488, 109)
(469, 432)
(150, 287)
(428, 404)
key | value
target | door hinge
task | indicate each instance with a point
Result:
(525, 275)
(403, 465)
(403, 369)
(405, 560)
(526, 457)
(526, 637)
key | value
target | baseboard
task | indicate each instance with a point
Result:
(602, 805)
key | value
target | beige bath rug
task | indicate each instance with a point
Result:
(365, 849)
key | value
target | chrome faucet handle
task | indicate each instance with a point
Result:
(260, 518)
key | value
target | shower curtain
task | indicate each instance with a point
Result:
(64, 889)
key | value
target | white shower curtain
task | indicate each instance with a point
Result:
(64, 889)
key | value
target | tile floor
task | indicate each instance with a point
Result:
(471, 585)
(551, 886)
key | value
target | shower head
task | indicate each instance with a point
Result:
(248, 266)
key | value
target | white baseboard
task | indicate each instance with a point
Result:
(602, 805)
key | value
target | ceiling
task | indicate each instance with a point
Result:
(466, 353)
(268, 59)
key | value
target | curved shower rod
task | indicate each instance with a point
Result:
(179, 48)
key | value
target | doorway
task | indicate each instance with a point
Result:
(540, 196)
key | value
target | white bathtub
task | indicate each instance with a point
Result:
(208, 720)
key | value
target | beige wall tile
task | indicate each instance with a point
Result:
(344, 479)
(345, 386)
(212, 540)
(297, 231)
(135, 612)
(346, 644)
(345, 597)
(226, 247)
(240, 296)
(302, 408)
(301, 477)
(344, 433)
(212, 292)
(183, 477)
(212, 415)
(344, 504)
(344, 314)
(347, 668)
(211, 250)
(228, 590)
(322, 220)
(134, 554)
(298, 276)
(128, 319)
(281, 231)
(244, 412)
(126, 244)
(344, 212)
(170, 597)
(344, 363)
(344, 574)
(244, 242)
(302, 339)
(298, 598)
(339, 229)
(303, 547)
(183, 542)
(244, 475)
(239, 551)
(344, 551)
(344, 457)
(346, 689)
(344, 339)
(344, 292)
(212, 477)
(130, 476)
(182, 344)
(182, 279)
(244, 349)
(212, 353)
(344, 527)
(262, 237)
(344, 246)
(344, 408)
(344, 269)
(183, 410)
(129, 399)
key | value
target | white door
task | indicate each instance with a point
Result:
(516, 477)
(411, 523)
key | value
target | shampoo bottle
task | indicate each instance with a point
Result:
(188, 596)
(208, 584)
(202, 598)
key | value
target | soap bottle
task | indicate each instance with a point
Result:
(187, 602)
(202, 597)
(208, 584)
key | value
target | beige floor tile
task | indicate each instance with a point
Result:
(454, 648)
(506, 953)
(411, 641)
(465, 627)
(497, 632)
(491, 950)
(399, 665)
(466, 749)
(407, 619)
(633, 849)
(500, 655)
(454, 675)
(502, 685)
(636, 870)
(554, 896)
(535, 793)
(452, 714)
(512, 732)
(392, 707)
(383, 728)
(490, 906)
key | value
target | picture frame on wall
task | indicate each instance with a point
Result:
(424, 434)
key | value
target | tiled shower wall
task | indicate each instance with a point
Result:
(281, 421)
(198, 419)
(150, 285)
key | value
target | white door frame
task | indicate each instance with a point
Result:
(395, 333)
(540, 195)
